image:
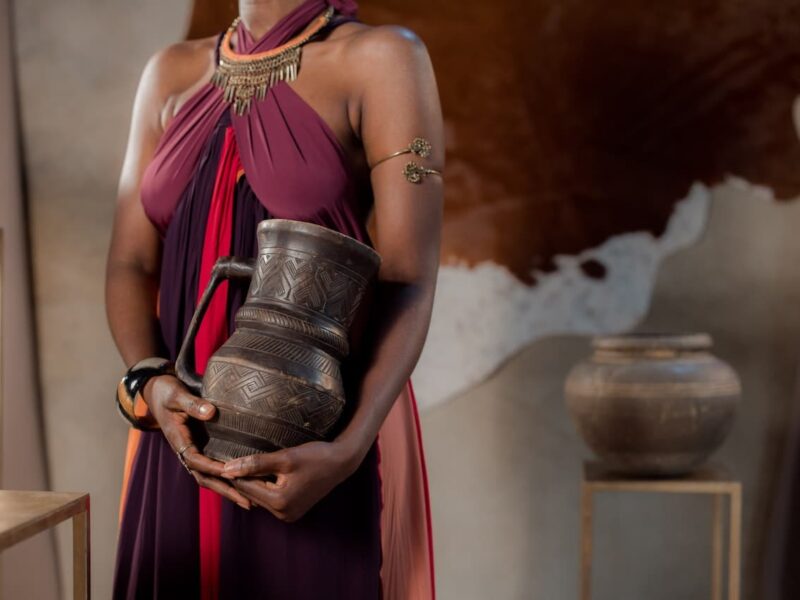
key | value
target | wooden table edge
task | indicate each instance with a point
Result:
(59, 514)
(665, 487)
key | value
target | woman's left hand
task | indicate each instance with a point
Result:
(303, 475)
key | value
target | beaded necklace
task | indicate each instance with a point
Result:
(243, 77)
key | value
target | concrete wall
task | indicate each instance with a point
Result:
(504, 459)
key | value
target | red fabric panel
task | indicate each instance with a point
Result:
(211, 335)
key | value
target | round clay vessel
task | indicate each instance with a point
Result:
(653, 404)
(276, 382)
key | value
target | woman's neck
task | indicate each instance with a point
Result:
(258, 16)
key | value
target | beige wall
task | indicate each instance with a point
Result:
(503, 457)
(79, 64)
(22, 463)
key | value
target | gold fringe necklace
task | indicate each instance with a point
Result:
(243, 77)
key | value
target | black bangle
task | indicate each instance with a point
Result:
(133, 383)
(143, 371)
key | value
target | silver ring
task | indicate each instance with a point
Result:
(184, 449)
(183, 460)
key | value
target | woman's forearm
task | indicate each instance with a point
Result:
(398, 334)
(131, 295)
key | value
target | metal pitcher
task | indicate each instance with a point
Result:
(276, 382)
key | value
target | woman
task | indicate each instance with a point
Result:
(327, 144)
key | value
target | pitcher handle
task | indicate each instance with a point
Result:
(226, 267)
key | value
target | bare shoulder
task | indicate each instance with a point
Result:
(176, 68)
(387, 46)
(394, 88)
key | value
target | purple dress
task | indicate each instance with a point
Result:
(176, 541)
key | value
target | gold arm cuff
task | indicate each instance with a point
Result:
(415, 173)
(419, 146)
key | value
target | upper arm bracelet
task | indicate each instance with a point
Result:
(413, 172)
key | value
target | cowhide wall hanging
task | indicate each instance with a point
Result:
(581, 140)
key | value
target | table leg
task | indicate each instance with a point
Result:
(716, 548)
(81, 556)
(734, 550)
(586, 542)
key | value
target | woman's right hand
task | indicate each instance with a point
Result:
(171, 404)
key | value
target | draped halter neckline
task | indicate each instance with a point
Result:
(288, 150)
(246, 42)
(301, 101)
(248, 45)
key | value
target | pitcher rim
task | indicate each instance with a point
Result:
(323, 231)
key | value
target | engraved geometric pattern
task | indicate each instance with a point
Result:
(285, 349)
(269, 393)
(273, 317)
(313, 283)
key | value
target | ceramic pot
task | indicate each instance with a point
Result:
(652, 404)
(276, 382)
